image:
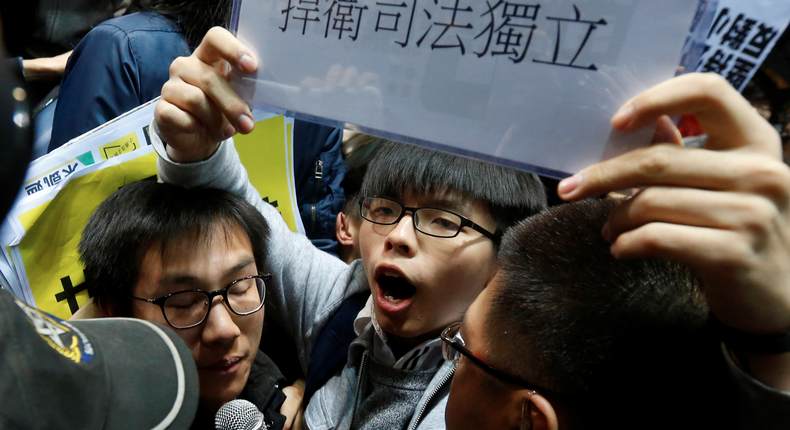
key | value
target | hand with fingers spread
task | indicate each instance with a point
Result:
(199, 108)
(723, 210)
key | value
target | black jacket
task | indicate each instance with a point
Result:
(263, 389)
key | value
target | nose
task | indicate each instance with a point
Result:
(219, 326)
(403, 238)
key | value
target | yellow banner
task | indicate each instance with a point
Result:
(54, 228)
(263, 154)
(49, 248)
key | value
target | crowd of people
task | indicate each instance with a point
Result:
(438, 291)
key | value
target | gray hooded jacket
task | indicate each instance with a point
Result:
(307, 286)
(317, 283)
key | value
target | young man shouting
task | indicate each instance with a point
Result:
(429, 239)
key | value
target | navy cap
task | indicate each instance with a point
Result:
(106, 373)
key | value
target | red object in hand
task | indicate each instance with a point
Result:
(689, 126)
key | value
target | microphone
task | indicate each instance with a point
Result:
(239, 415)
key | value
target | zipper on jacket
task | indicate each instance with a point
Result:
(359, 388)
(319, 174)
(433, 394)
(319, 169)
(268, 424)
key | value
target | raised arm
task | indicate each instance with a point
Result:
(723, 210)
(199, 109)
(198, 113)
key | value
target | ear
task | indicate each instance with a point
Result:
(343, 230)
(538, 413)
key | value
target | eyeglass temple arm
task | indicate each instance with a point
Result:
(493, 236)
(145, 300)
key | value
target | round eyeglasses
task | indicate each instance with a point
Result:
(189, 308)
(431, 221)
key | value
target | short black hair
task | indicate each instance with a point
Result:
(602, 332)
(145, 213)
(351, 207)
(509, 195)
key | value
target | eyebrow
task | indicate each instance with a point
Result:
(191, 279)
(461, 207)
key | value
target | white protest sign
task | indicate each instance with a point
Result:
(530, 84)
(741, 37)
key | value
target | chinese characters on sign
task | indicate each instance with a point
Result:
(527, 83)
(118, 148)
(51, 179)
(742, 43)
(740, 38)
(499, 28)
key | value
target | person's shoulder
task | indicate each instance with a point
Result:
(134, 36)
(140, 22)
(151, 38)
(126, 29)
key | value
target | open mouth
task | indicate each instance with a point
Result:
(394, 288)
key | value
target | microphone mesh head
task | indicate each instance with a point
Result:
(238, 415)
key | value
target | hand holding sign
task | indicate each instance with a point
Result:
(723, 210)
(199, 108)
(525, 84)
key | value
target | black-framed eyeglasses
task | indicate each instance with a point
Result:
(189, 308)
(431, 221)
(453, 345)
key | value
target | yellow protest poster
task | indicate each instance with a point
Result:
(289, 133)
(120, 146)
(29, 218)
(263, 154)
(41, 235)
(49, 248)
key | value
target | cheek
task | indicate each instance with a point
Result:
(464, 409)
(463, 276)
(191, 337)
(368, 241)
(251, 329)
(475, 258)
(368, 248)
(475, 402)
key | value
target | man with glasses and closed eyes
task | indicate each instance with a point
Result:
(193, 260)
(189, 308)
